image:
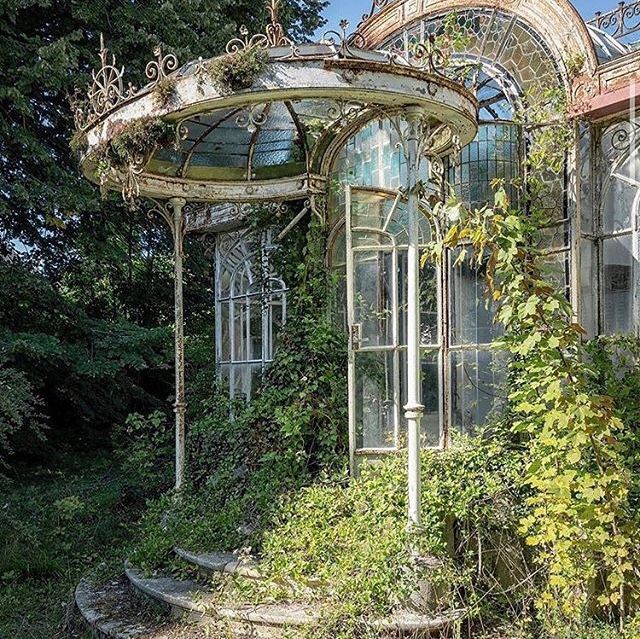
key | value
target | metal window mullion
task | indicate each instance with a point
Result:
(397, 395)
(350, 322)
(445, 363)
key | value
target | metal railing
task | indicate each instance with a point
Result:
(621, 22)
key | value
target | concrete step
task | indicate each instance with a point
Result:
(109, 610)
(221, 562)
(192, 602)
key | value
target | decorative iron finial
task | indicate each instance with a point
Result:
(105, 92)
(346, 41)
(158, 69)
(273, 37)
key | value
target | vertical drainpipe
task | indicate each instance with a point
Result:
(180, 406)
(414, 408)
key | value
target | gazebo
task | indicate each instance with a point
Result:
(204, 142)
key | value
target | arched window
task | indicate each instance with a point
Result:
(251, 309)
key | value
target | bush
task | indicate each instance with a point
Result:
(21, 421)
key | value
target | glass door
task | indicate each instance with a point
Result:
(376, 233)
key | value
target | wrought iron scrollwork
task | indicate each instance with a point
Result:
(273, 37)
(106, 91)
(345, 42)
(160, 68)
(621, 22)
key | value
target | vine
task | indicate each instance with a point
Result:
(579, 519)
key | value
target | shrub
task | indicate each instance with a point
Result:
(21, 421)
(238, 70)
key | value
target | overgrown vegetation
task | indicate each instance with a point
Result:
(293, 431)
(238, 70)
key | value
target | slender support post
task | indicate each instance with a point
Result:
(414, 408)
(180, 406)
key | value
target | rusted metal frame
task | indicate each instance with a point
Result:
(187, 161)
(171, 212)
(254, 138)
(301, 132)
(615, 22)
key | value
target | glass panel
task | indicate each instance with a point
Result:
(472, 314)
(477, 379)
(376, 401)
(431, 399)
(373, 303)
(225, 333)
(618, 207)
(239, 331)
(617, 280)
(241, 382)
(588, 286)
(428, 305)
(277, 320)
(255, 328)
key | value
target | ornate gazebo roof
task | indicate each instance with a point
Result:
(272, 136)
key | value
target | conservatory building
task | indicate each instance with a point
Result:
(442, 94)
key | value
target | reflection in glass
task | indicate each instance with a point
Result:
(477, 379)
(472, 314)
(250, 309)
(617, 284)
(377, 399)
(618, 206)
(431, 399)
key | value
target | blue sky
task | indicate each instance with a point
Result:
(353, 10)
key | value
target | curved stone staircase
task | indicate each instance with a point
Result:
(161, 607)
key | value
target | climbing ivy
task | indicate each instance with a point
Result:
(579, 519)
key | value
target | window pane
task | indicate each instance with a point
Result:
(376, 400)
(477, 379)
(373, 282)
(471, 313)
(431, 399)
(255, 328)
(225, 333)
(618, 290)
(239, 331)
(588, 280)
(429, 305)
(618, 206)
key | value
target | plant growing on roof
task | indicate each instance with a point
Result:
(238, 70)
(128, 151)
(164, 92)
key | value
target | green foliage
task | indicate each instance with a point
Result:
(238, 70)
(131, 146)
(579, 518)
(344, 543)
(242, 456)
(20, 412)
(56, 526)
(89, 373)
(615, 362)
(144, 448)
(164, 92)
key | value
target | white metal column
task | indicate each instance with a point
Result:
(414, 408)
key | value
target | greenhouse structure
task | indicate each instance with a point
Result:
(365, 131)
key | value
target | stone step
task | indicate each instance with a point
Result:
(221, 562)
(110, 610)
(191, 601)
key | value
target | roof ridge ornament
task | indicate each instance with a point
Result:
(274, 36)
(105, 92)
(348, 41)
(160, 68)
